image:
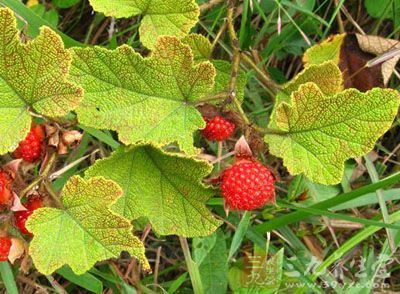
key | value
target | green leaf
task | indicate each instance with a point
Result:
(200, 46)
(153, 96)
(384, 9)
(327, 76)
(65, 3)
(84, 231)
(35, 22)
(239, 234)
(7, 277)
(213, 266)
(86, 281)
(320, 132)
(33, 76)
(50, 16)
(160, 17)
(201, 49)
(166, 188)
(329, 49)
(223, 77)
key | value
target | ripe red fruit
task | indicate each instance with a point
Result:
(6, 195)
(21, 216)
(5, 245)
(218, 129)
(30, 149)
(247, 185)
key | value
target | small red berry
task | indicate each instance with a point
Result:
(30, 149)
(247, 185)
(5, 245)
(218, 129)
(21, 216)
(6, 195)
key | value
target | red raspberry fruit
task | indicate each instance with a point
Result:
(218, 129)
(5, 245)
(30, 149)
(247, 185)
(21, 216)
(6, 195)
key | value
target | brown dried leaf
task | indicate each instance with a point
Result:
(379, 46)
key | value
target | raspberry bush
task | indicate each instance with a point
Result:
(109, 151)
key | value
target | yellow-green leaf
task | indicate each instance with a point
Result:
(160, 17)
(144, 99)
(327, 50)
(84, 231)
(200, 46)
(327, 76)
(163, 187)
(33, 77)
(320, 132)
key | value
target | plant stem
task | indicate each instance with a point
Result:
(218, 35)
(53, 194)
(192, 267)
(236, 50)
(381, 199)
(270, 84)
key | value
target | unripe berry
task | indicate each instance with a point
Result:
(247, 185)
(30, 149)
(218, 129)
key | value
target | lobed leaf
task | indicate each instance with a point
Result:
(200, 46)
(166, 188)
(160, 17)
(202, 50)
(320, 132)
(84, 231)
(33, 77)
(329, 49)
(144, 99)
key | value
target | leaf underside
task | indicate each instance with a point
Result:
(163, 187)
(84, 231)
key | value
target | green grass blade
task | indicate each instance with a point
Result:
(340, 216)
(349, 244)
(7, 277)
(86, 281)
(239, 234)
(335, 201)
(102, 136)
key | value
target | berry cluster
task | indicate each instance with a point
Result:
(218, 129)
(31, 148)
(21, 216)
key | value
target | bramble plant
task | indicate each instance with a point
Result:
(166, 105)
